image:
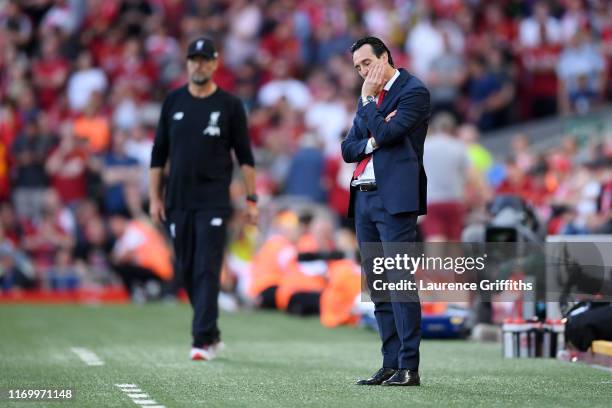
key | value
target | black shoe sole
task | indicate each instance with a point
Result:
(370, 384)
(401, 384)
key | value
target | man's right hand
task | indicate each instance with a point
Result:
(157, 211)
(375, 81)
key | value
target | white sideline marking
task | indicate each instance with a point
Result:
(89, 357)
(134, 392)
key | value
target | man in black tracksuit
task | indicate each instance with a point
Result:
(199, 126)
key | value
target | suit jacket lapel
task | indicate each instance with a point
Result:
(395, 88)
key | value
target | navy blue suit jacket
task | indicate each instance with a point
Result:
(398, 160)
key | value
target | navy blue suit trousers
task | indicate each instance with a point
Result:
(399, 323)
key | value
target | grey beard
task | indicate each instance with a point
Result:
(200, 81)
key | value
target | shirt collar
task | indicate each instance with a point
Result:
(390, 82)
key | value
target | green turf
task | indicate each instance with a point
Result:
(271, 361)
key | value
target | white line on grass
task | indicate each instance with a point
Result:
(89, 357)
(134, 392)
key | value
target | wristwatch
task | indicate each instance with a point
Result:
(252, 198)
(367, 99)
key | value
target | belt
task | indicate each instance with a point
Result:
(366, 187)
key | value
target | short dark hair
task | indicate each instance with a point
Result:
(378, 47)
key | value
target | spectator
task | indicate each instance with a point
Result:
(490, 94)
(500, 27)
(541, 26)
(50, 71)
(106, 48)
(134, 14)
(118, 170)
(16, 270)
(280, 44)
(9, 123)
(539, 77)
(27, 109)
(84, 81)
(424, 44)
(139, 145)
(62, 16)
(247, 78)
(7, 135)
(444, 77)
(93, 125)
(135, 70)
(12, 229)
(93, 246)
(378, 19)
(581, 71)
(516, 181)
(282, 86)
(306, 170)
(63, 275)
(522, 153)
(67, 166)
(15, 24)
(591, 215)
(575, 18)
(245, 20)
(126, 112)
(330, 42)
(30, 182)
(326, 115)
(59, 213)
(48, 236)
(164, 51)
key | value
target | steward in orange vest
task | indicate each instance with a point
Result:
(300, 289)
(342, 291)
(140, 253)
(271, 262)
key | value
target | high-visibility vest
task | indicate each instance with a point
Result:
(301, 277)
(269, 264)
(338, 298)
(307, 243)
(152, 252)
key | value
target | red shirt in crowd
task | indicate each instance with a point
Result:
(70, 181)
(539, 64)
(46, 71)
(522, 187)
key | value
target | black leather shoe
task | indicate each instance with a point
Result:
(380, 376)
(404, 377)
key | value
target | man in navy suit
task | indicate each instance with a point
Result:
(388, 191)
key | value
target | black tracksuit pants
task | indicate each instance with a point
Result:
(199, 243)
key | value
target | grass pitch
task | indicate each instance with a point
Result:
(271, 360)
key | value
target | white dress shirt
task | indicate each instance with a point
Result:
(368, 175)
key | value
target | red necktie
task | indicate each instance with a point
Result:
(364, 162)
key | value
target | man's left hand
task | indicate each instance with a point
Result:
(375, 80)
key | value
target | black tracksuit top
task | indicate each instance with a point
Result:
(198, 136)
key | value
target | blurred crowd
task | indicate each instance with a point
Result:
(81, 84)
